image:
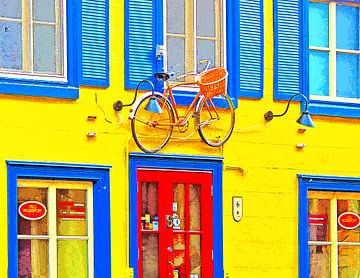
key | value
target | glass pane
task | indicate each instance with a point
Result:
(318, 24)
(347, 75)
(179, 256)
(175, 16)
(32, 258)
(149, 206)
(179, 206)
(195, 255)
(10, 45)
(44, 48)
(205, 49)
(72, 259)
(349, 261)
(319, 73)
(347, 27)
(319, 211)
(348, 235)
(44, 10)
(195, 217)
(205, 18)
(32, 227)
(176, 54)
(10, 8)
(150, 256)
(71, 212)
(319, 261)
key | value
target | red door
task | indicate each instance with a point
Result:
(175, 227)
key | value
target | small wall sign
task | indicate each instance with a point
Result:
(349, 220)
(32, 210)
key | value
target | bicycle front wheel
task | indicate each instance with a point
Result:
(216, 120)
(151, 131)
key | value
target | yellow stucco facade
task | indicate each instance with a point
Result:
(261, 161)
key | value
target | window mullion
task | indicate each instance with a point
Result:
(332, 46)
(190, 35)
(333, 239)
(52, 232)
(26, 31)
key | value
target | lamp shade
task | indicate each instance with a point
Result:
(305, 119)
(153, 106)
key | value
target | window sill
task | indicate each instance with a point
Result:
(39, 90)
(335, 109)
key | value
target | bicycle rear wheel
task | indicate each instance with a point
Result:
(216, 120)
(151, 131)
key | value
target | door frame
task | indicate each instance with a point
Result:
(182, 163)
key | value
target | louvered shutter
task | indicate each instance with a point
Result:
(287, 71)
(94, 43)
(140, 37)
(251, 48)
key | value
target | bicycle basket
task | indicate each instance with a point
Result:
(213, 82)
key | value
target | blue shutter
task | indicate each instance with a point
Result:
(140, 41)
(251, 48)
(287, 71)
(94, 43)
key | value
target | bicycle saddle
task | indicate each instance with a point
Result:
(161, 75)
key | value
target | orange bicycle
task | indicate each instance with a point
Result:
(155, 115)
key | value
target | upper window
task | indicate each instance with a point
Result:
(32, 35)
(334, 51)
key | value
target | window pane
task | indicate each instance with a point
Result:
(149, 204)
(348, 235)
(205, 18)
(176, 54)
(175, 16)
(10, 45)
(44, 10)
(150, 255)
(195, 255)
(32, 258)
(195, 217)
(10, 8)
(205, 49)
(32, 227)
(319, 219)
(179, 204)
(347, 75)
(319, 73)
(318, 24)
(71, 212)
(72, 259)
(349, 261)
(347, 27)
(45, 48)
(319, 261)
(179, 255)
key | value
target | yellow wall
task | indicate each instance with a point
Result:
(260, 161)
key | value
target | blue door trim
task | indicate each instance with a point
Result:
(98, 174)
(181, 162)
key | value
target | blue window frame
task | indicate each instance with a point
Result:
(85, 43)
(317, 184)
(321, 62)
(213, 164)
(244, 45)
(97, 174)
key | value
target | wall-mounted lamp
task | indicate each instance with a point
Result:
(304, 119)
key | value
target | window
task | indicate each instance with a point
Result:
(329, 233)
(229, 33)
(45, 48)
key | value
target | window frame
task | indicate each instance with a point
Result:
(316, 183)
(97, 174)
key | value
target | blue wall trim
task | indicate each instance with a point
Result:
(182, 162)
(320, 183)
(98, 174)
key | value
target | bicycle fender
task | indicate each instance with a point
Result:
(198, 103)
(137, 102)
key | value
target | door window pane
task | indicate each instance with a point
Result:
(10, 8)
(175, 16)
(32, 227)
(195, 255)
(348, 235)
(71, 212)
(318, 24)
(10, 45)
(179, 205)
(194, 207)
(205, 18)
(319, 210)
(149, 205)
(319, 73)
(179, 255)
(349, 261)
(72, 259)
(150, 256)
(319, 261)
(32, 258)
(347, 27)
(347, 75)
(44, 10)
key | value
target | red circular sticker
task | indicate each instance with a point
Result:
(32, 210)
(349, 220)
